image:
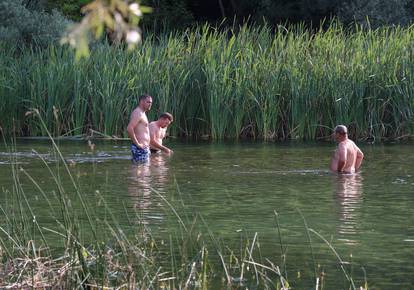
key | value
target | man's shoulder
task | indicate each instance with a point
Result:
(154, 126)
(351, 142)
(350, 145)
(137, 112)
(347, 142)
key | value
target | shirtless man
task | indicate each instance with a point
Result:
(347, 157)
(138, 130)
(158, 130)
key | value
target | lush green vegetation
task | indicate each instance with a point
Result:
(41, 22)
(24, 24)
(258, 83)
(181, 13)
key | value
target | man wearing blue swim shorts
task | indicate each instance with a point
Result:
(138, 130)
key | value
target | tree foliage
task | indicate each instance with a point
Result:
(294, 11)
(376, 13)
(25, 23)
(168, 14)
(42, 22)
(118, 18)
(70, 8)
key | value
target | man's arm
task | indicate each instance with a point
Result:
(341, 157)
(359, 158)
(131, 129)
(154, 137)
(334, 161)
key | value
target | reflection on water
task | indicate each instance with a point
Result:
(348, 192)
(143, 179)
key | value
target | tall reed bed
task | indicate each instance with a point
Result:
(254, 82)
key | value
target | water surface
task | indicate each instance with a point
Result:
(238, 187)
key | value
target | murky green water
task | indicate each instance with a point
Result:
(238, 187)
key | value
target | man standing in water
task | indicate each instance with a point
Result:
(158, 130)
(347, 157)
(138, 130)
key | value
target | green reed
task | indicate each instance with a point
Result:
(254, 82)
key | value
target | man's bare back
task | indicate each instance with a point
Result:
(347, 157)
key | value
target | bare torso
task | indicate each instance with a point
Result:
(346, 152)
(141, 130)
(158, 132)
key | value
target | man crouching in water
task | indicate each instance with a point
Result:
(347, 157)
(158, 131)
(138, 130)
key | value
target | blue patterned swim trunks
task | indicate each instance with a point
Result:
(139, 155)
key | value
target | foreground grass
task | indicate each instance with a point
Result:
(254, 83)
(81, 244)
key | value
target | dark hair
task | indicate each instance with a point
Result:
(341, 129)
(167, 115)
(143, 97)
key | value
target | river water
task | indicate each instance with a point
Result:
(237, 188)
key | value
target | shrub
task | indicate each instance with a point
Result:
(24, 24)
(375, 13)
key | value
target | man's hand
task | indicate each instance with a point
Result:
(141, 146)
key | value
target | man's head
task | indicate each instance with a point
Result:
(145, 102)
(341, 133)
(165, 119)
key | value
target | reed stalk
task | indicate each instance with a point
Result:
(240, 82)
